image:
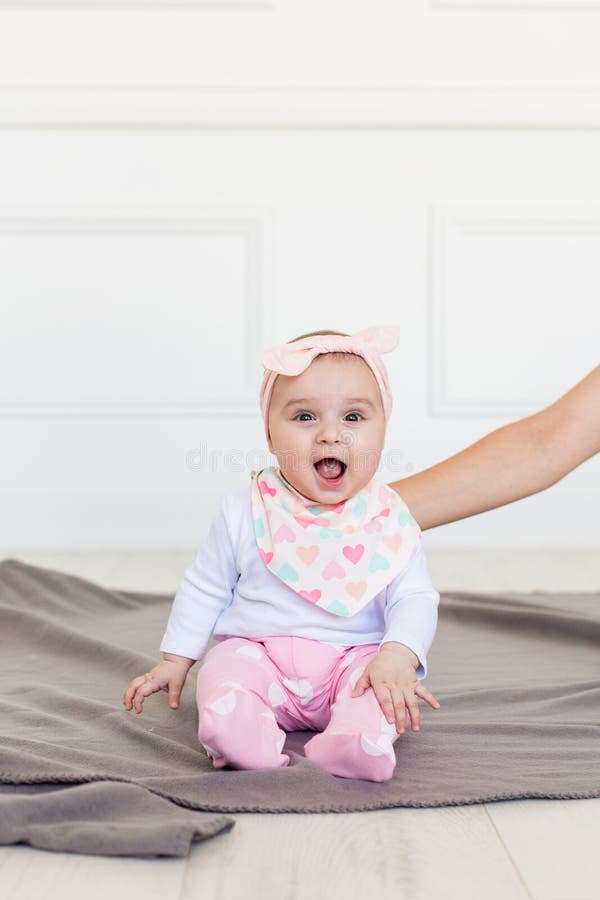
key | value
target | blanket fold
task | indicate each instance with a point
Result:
(104, 819)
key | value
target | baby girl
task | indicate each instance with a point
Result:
(312, 581)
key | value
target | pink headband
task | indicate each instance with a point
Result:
(294, 358)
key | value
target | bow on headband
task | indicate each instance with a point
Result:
(294, 358)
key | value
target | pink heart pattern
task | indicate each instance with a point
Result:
(385, 495)
(284, 533)
(356, 590)
(392, 541)
(307, 554)
(312, 596)
(332, 549)
(333, 570)
(305, 521)
(353, 553)
(265, 489)
(372, 526)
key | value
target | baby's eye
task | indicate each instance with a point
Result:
(358, 415)
(299, 419)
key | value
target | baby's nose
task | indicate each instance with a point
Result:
(329, 433)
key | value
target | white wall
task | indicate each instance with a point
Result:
(182, 184)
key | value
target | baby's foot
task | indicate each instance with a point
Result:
(217, 761)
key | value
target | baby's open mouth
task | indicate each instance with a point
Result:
(330, 468)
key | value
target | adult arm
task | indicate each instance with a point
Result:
(519, 459)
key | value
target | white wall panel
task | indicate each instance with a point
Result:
(114, 315)
(512, 288)
(382, 44)
(182, 184)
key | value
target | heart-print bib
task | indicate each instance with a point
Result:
(336, 556)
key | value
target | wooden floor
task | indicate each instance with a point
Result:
(540, 850)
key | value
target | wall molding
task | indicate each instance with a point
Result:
(508, 6)
(516, 6)
(155, 222)
(116, 5)
(192, 106)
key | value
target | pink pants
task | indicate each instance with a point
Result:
(251, 691)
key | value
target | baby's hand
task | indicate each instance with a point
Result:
(170, 674)
(392, 675)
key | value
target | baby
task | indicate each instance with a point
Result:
(312, 581)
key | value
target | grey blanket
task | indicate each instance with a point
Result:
(518, 677)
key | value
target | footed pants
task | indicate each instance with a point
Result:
(251, 691)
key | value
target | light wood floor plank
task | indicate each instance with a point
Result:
(407, 854)
(555, 845)
(506, 569)
(93, 565)
(29, 874)
(155, 571)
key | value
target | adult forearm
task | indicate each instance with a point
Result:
(505, 465)
(512, 462)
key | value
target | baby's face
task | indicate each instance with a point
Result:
(331, 410)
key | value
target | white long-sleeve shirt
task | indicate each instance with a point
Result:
(228, 591)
